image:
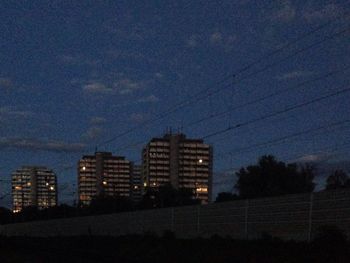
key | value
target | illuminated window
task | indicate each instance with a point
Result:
(202, 190)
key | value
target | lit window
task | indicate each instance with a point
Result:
(18, 187)
(202, 190)
(84, 168)
(200, 160)
(104, 183)
(52, 188)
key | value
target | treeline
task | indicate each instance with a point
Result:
(270, 177)
(164, 196)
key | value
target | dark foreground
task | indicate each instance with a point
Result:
(149, 248)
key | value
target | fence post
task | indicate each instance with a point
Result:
(310, 217)
(246, 217)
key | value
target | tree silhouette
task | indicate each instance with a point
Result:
(338, 179)
(225, 197)
(5, 215)
(271, 177)
(167, 196)
(109, 204)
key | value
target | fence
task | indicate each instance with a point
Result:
(289, 217)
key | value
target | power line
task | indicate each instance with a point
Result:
(239, 125)
(196, 97)
(292, 159)
(279, 92)
(281, 139)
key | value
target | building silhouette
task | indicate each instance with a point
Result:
(136, 183)
(179, 161)
(33, 186)
(103, 174)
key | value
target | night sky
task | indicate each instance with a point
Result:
(78, 75)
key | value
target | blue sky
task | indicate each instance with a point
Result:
(74, 75)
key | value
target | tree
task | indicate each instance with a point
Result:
(225, 197)
(330, 238)
(271, 177)
(167, 196)
(338, 179)
(109, 204)
(5, 215)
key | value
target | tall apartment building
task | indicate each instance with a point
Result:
(136, 183)
(34, 186)
(103, 174)
(182, 162)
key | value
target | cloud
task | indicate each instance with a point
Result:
(192, 41)
(327, 12)
(159, 75)
(92, 133)
(97, 120)
(294, 75)
(151, 99)
(40, 145)
(313, 158)
(285, 13)
(123, 86)
(139, 117)
(223, 41)
(127, 55)
(8, 113)
(6, 84)
(215, 38)
(97, 87)
(77, 60)
(127, 86)
(95, 130)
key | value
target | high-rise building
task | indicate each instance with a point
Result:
(136, 183)
(103, 174)
(182, 162)
(34, 186)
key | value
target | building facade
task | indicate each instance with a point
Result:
(136, 183)
(103, 174)
(182, 162)
(33, 186)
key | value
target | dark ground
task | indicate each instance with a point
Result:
(149, 248)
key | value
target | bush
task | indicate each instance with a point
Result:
(330, 235)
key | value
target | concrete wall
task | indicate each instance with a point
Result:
(288, 217)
